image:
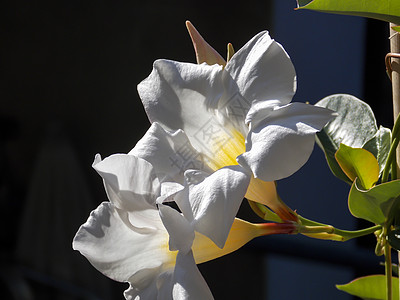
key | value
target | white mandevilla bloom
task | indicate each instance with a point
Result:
(156, 250)
(239, 112)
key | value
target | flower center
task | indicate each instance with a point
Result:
(228, 145)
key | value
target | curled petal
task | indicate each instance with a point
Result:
(183, 282)
(132, 185)
(178, 95)
(282, 143)
(215, 201)
(184, 96)
(181, 232)
(171, 153)
(120, 250)
(169, 190)
(130, 182)
(263, 70)
(188, 281)
(262, 110)
(266, 112)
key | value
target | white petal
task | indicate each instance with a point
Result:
(175, 93)
(185, 96)
(282, 142)
(169, 191)
(159, 289)
(121, 251)
(130, 182)
(181, 232)
(165, 284)
(149, 291)
(171, 154)
(261, 110)
(215, 201)
(263, 70)
(188, 281)
(184, 282)
(192, 177)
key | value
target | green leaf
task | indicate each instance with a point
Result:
(328, 145)
(385, 10)
(375, 204)
(379, 146)
(370, 287)
(358, 163)
(396, 28)
(354, 126)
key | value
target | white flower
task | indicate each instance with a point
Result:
(140, 255)
(240, 113)
(156, 250)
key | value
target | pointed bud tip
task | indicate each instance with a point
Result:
(204, 52)
(189, 25)
(230, 52)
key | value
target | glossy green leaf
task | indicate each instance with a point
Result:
(375, 204)
(354, 126)
(370, 287)
(379, 146)
(396, 28)
(385, 10)
(358, 163)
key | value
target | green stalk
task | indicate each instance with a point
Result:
(391, 161)
(394, 168)
(346, 234)
(351, 234)
(388, 270)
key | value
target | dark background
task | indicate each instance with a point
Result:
(68, 91)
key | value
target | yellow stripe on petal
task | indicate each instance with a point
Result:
(224, 152)
(226, 145)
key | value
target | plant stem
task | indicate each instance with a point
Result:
(351, 234)
(394, 48)
(398, 265)
(388, 270)
(391, 160)
(395, 63)
(345, 234)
